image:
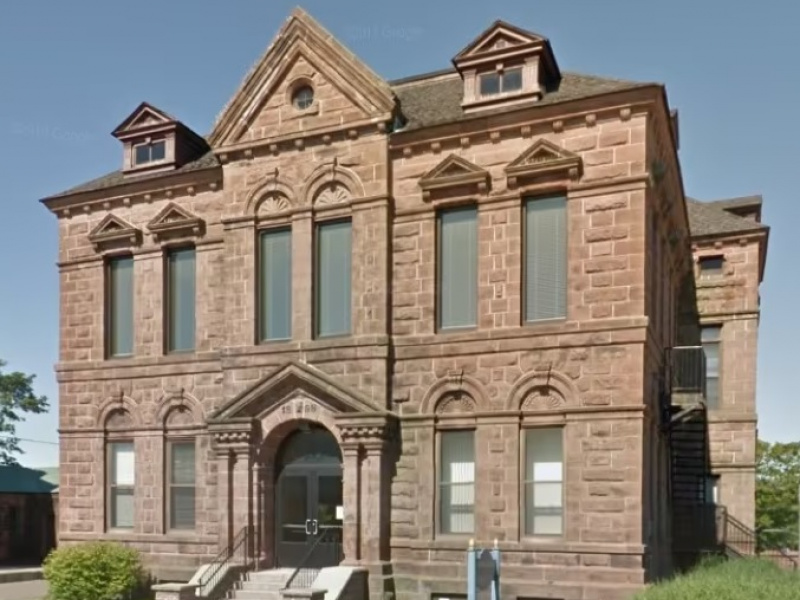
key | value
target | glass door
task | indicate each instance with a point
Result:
(309, 505)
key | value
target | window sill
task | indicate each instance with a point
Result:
(456, 329)
(275, 341)
(545, 322)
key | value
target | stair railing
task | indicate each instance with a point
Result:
(740, 541)
(236, 555)
(326, 551)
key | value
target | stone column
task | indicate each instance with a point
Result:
(232, 442)
(375, 494)
(351, 497)
(302, 275)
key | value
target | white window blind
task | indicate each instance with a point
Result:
(457, 482)
(544, 482)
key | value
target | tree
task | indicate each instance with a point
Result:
(16, 398)
(777, 481)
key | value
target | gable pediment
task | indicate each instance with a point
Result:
(301, 40)
(543, 158)
(499, 37)
(173, 219)
(146, 116)
(454, 172)
(293, 382)
(114, 230)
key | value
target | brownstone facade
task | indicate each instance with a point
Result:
(389, 157)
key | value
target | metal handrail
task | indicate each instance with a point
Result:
(751, 542)
(217, 568)
(304, 564)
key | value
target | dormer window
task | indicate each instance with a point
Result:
(501, 82)
(506, 66)
(150, 151)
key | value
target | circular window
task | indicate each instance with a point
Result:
(303, 97)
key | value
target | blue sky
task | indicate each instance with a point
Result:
(71, 71)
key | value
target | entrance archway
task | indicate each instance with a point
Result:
(308, 499)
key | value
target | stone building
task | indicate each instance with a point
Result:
(410, 313)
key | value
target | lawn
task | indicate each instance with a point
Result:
(750, 579)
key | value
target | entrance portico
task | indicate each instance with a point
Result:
(299, 457)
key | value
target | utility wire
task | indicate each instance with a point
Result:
(29, 440)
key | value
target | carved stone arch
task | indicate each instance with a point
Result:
(451, 387)
(332, 183)
(542, 390)
(272, 196)
(175, 404)
(119, 411)
(455, 403)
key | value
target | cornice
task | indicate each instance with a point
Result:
(128, 193)
(623, 104)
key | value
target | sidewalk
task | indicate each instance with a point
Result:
(23, 590)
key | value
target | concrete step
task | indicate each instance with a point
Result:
(255, 595)
(266, 586)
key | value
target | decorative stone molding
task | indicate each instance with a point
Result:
(114, 231)
(543, 159)
(367, 428)
(178, 398)
(175, 220)
(118, 403)
(329, 176)
(541, 399)
(270, 196)
(454, 383)
(452, 173)
(542, 390)
(455, 403)
(332, 193)
(237, 436)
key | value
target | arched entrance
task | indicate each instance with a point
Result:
(308, 499)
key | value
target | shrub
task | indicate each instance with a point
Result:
(745, 579)
(95, 571)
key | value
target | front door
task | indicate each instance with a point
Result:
(309, 505)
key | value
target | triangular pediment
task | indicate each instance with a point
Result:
(173, 218)
(543, 157)
(454, 171)
(145, 116)
(302, 47)
(499, 36)
(113, 229)
(287, 383)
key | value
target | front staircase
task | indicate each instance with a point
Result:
(262, 585)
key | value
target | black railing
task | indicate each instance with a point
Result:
(688, 370)
(741, 541)
(235, 555)
(326, 551)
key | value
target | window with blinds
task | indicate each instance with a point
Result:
(121, 479)
(180, 296)
(182, 485)
(457, 268)
(333, 279)
(457, 482)
(710, 338)
(119, 306)
(275, 285)
(544, 482)
(545, 258)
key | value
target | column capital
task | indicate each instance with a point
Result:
(237, 437)
(372, 430)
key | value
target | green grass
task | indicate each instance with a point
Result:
(750, 579)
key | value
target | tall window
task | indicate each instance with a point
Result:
(121, 480)
(180, 300)
(544, 482)
(546, 258)
(181, 479)
(275, 290)
(710, 338)
(457, 482)
(458, 268)
(333, 278)
(119, 306)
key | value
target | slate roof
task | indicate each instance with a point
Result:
(16, 479)
(435, 99)
(714, 218)
(425, 100)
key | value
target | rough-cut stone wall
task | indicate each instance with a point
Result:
(732, 300)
